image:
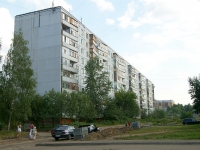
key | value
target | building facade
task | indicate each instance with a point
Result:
(60, 46)
(163, 104)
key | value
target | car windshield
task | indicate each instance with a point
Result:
(62, 128)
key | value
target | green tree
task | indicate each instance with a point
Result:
(17, 81)
(144, 114)
(55, 105)
(175, 110)
(84, 106)
(126, 100)
(158, 114)
(194, 92)
(112, 111)
(97, 83)
(37, 107)
(186, 114)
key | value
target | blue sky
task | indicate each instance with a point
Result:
(161, 38)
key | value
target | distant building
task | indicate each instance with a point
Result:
(163, 104)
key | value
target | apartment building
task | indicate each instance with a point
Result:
(163, 104)
(60, 46)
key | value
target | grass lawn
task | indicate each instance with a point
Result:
(4, 134)
(190, 132)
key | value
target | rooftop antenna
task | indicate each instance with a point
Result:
(53, 3)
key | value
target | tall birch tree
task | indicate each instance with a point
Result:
(17, 81)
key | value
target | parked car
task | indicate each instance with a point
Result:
(188, 121)
(91, 128)
(63, 131)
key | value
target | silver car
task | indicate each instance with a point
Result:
(63, 131)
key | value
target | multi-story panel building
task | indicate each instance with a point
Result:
(134, 81)
(60, 47)
(163, 104)
(120, 73)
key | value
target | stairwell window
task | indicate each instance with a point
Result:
(82, 70)
(82, 60)
(63, 16)
(86, 36)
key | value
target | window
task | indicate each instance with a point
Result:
(86, 36)
(64, 61)
(65, 51)
(87, 44)
(82, 81)
(82, 51)
(73, 54)
(81, 41)
(74, 33)
(63, 16)
(63, 38)
(82, 70)
(82, 33)
(82, 61)
(87, 54)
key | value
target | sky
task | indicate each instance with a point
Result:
(160, 38)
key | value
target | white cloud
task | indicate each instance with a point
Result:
(42, 4)
(11, 1)
(136, 35)
(6, 30)
(146, 62)
(104, 5)
(125, 20)
(156, 39)
(110, 21)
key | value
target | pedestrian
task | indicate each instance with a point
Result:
(31, 128)
(19, 130)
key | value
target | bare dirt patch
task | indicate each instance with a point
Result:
(107, 133)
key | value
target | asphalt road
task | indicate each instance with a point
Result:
(49, 143)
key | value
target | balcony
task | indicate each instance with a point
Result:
(69, 79)
(66, 33)
(71, 69)
(68, 86)
(69, 25)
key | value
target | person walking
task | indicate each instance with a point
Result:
(31, 128)
(19, 130)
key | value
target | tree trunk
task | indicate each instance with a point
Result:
(9, 120)
(10, 115)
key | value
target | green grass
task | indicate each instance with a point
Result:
(4, 134)
(191, 132)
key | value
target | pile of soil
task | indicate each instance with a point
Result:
(107, 133)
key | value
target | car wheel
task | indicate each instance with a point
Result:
(56, 139)
(69, 137)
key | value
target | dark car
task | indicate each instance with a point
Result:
(188, 121)
(63, 131)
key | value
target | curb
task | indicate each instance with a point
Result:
(121, 143)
